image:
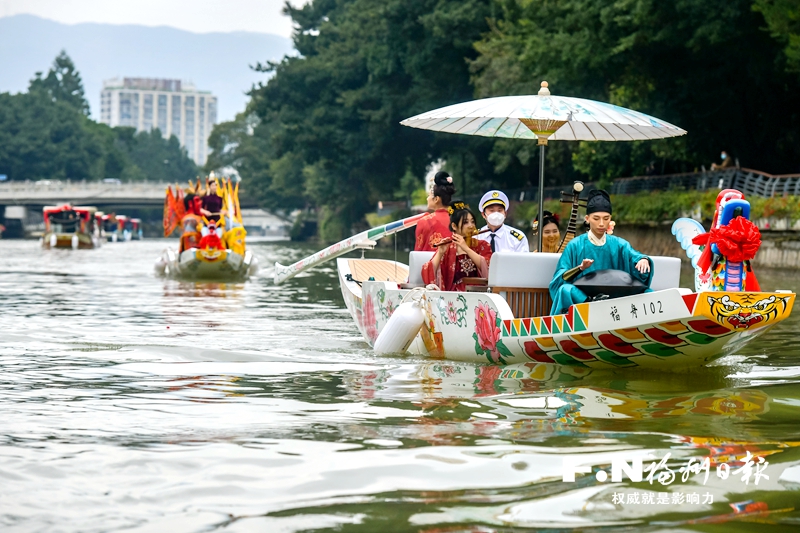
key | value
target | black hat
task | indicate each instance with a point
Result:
(598, 202)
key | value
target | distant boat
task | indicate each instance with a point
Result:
(209, 250)
(134, 225)
(71, 227)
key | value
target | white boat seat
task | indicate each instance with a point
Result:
(666, 272)
(415, 262)
(532, 274)
(523, 270)
(535, 271)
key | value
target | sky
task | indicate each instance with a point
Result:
(199, 16)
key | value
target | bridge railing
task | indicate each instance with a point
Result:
(54, 191)
(43, 186)
(749, 181)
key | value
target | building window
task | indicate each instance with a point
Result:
(176, 118)
(147, 119)
(201, 129)
(105, 107)
(129, 109)
(189, 109)
(162, 113)
(212, 111)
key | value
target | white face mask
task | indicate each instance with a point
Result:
(496, 218)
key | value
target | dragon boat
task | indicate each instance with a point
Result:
(72, 227)
(208, 250)
(506, 318)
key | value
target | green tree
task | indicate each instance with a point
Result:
(705, 65)
(46, 139)
(152, 157)
(328, 120)
(62, 84)
(783, 21)
(46, 134)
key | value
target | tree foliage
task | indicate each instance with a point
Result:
(704, 65)
(62, 84)
(328, 120)
(46, 134)
(783, 20)
(324, 131)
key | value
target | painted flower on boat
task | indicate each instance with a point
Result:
(370, 323)
(452, 313)
(487, 331)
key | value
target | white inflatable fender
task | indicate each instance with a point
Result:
(401, 329)
(53, 240)
(252, 269)
(75, 242)
(160, 266)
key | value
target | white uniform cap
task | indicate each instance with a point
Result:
(494, 197)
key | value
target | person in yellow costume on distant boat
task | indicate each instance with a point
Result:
(592, 251)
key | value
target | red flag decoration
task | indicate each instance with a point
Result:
(171, 216)
(180, 208)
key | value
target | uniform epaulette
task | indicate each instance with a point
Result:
(516, 234)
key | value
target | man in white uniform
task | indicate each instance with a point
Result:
(501, 237)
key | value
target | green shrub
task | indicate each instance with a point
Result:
(658, 207)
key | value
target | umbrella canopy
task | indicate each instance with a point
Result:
(560, 118)
(544, 117)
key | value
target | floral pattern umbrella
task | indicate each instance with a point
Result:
(544, 117)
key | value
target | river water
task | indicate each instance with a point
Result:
(138, 404)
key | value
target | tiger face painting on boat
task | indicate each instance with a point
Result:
(743, 310)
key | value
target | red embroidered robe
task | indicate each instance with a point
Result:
(432, 229)
(454, 268)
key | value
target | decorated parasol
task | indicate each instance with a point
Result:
(544, 117)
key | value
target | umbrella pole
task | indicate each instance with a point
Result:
(542, 144)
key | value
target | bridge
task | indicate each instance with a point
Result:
(139, 194)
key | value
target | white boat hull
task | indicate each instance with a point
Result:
(669, 329)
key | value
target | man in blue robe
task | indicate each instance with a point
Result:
(594, 251)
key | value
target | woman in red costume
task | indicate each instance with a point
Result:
(436, 226)
(463, 257)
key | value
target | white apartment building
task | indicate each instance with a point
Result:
(175, 107)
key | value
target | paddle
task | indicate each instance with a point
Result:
(365, 239)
